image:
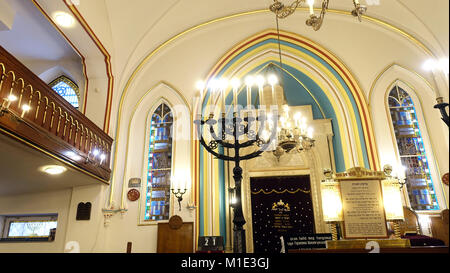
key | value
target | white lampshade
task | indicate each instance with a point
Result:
(392, 199)
(331, 201)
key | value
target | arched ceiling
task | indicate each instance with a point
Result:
(132, 21)
(137, 32)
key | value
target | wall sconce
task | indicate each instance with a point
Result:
(331, 202)
(441, 105)
(93, 160)
(25, 109)
(179, 195)
(7, 103)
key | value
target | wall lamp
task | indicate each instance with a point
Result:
(95, 153)
(179, 195)
(6, 104)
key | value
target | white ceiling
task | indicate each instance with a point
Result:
(33, 38)
(131, 30)
(20, 171)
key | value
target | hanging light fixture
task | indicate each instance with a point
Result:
(313, 21)
(293, 132)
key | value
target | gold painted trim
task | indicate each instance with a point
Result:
(374, 83)
(134, 110)
(53, 156)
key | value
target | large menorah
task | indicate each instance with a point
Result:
(237, 133)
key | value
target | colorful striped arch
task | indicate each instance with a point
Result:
(345, 104)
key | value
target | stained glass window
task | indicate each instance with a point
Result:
(419, 183)
(66, 89)
(159, 165)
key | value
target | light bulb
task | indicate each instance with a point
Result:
(214, 84)
(26, 107)
(64, 19)
(223, 83)
(311, 6)
(235, 83)
(260, 81)
(53, 169)
(249, 81)
(272, 80)
(297, 116)
(200, 85)
(12, 98)
(429, 65)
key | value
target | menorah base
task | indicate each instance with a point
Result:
(239, 245)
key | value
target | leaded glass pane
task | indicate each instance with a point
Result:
(411, 148)
(66, 89)
(159, 165)
(30, 229)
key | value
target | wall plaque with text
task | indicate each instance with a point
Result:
(306, 241)
(363, 209)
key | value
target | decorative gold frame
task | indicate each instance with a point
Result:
(359, 173)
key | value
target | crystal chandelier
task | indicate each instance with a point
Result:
(313, 21)
(293, 133)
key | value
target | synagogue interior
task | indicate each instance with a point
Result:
(224, 126)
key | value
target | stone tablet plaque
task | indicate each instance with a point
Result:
(363, 209)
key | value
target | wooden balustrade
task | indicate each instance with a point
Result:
(51, 124)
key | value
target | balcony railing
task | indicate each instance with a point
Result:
(35, 114)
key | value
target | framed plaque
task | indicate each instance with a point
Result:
(362, 204)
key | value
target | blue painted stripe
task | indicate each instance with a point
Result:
(325, 64)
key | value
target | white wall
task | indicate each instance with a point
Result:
(38, 203)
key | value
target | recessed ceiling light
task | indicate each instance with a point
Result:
(64, 19)
(53, 169)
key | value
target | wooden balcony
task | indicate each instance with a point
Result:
(51, 125)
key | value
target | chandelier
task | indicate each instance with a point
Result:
(313, 21)
(293, 133)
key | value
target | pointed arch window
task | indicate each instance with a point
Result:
(67, 89)
(159, 164)
(419, 183)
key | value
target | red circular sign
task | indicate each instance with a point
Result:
(133, 195)
(445, 179)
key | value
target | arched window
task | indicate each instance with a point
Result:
(419, 184)
(67, 89)
(159, 165)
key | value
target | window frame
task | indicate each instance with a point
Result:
(71, 83)
(8, 219)
(422, 124)
(144, 185)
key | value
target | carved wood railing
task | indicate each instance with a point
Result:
(51, 124)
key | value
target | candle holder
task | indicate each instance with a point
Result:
(6, 103)
(441, 105)
(179, 195)
(238, 129)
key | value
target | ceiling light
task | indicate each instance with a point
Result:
(64, 19)
(54, 169)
